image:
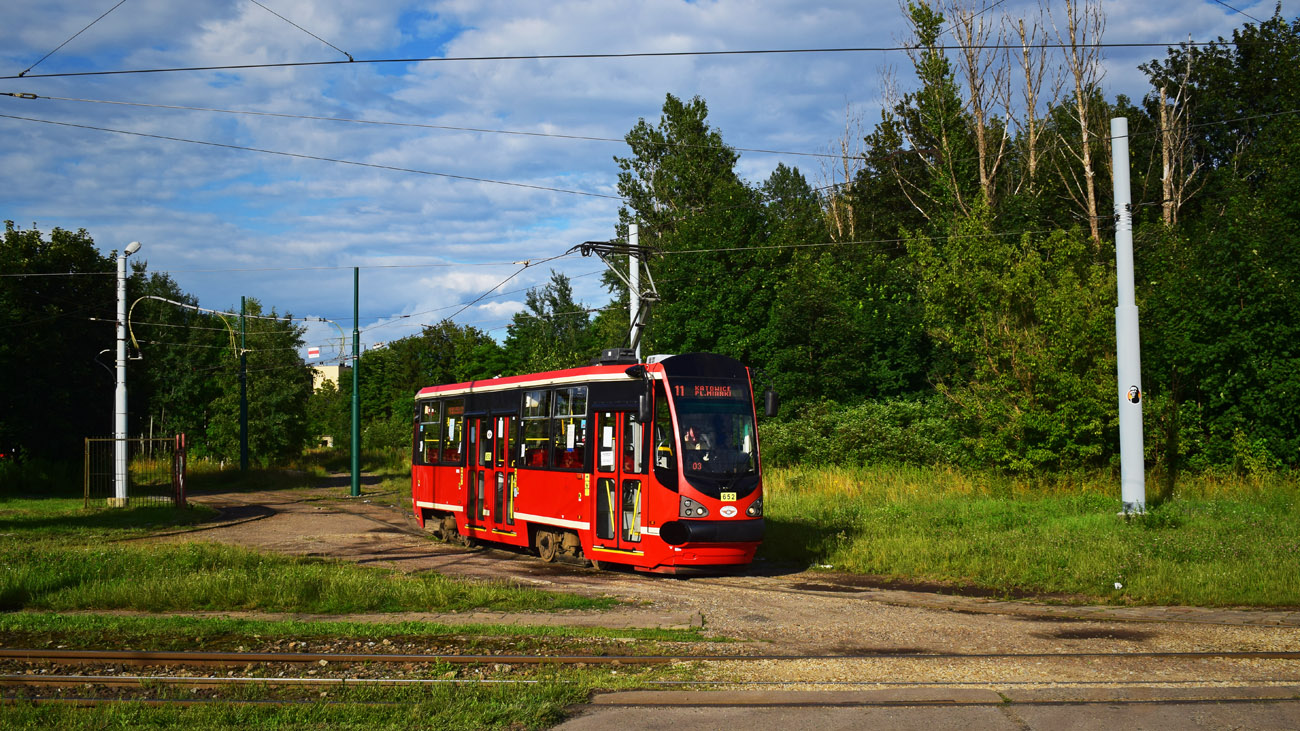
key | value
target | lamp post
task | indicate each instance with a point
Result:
(119, 410)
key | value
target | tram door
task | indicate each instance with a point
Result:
(622, 461)
(491, 501)
(476, 470)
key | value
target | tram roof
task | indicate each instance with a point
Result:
(718, 364)
(568, 376)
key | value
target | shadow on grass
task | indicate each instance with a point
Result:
(346, 481)
(256, 480)
(804, 543)
(79, 519)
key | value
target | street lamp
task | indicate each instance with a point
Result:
(119, 410)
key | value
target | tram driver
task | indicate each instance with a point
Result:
(696, 440)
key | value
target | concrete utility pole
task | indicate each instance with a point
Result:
(243, 385)
(356, 379)
(634, 277)
(1128, 350)
(119, 407)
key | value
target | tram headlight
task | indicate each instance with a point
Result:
(755, 509)
(691, 509)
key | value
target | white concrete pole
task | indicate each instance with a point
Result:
(634, 276)
(119, 408)
(1128, 351)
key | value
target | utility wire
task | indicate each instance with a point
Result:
(393, 319)
(316, 157)
(605, 56)
(584, 138)
(1242, 12)
(483, 296)
(74, 35)
(210, 347)
(304, 30)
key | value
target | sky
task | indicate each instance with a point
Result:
(288, 230)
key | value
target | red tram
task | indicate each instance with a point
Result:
(654, 465)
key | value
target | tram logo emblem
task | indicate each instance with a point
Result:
(728, 511)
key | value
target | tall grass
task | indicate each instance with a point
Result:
(1216, 541)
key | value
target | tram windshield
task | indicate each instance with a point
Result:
(716, 427)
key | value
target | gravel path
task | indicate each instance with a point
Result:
(787, 611)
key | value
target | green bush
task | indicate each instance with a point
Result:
(912, 431)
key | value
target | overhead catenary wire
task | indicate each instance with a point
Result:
(304, 30)
(393, 319)
(1239, 11)
(415, 125)
(23, 73)
(843, 184)
(604, 56)
(302, 156)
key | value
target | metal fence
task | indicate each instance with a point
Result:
(155, 470)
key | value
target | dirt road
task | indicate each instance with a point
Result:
(793, 611)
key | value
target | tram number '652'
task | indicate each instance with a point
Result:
(728, 497)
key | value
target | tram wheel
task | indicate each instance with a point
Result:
(434, 528)
(448, 529)
(548, 546)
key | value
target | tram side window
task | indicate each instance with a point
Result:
(569, 428)
(665, 454)
(430, 432)
(513, 457)
(454, 431)
(537, 412)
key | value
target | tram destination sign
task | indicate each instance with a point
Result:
(710, 391)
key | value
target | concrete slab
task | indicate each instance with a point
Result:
(892, 696)
(1150, 694)
(794, 718)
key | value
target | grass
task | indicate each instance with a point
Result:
(444, 706)
(1217, 541)
(310, 470)
(174, 633)
(54, 555)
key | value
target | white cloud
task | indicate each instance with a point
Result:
(298, 225)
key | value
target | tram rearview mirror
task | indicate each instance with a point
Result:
(643, 408)
(771, 402)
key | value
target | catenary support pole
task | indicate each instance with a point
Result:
(356, 380)
(243, 385)
(634, 277)
(1128, 352)
(119, 397)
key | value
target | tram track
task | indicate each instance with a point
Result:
(41, 676)
(240, 659)
(217, 682)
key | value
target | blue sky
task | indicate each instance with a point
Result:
(227, 223)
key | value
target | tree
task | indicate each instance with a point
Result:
(675, 169)
(933, 126)
(1024, 327)
(680, 183)
(1221, 298)
(839, 322)
(987, 86)
(58, 326)
(279, 385)
(553, 333)
(1084, 23)
(177, 350)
